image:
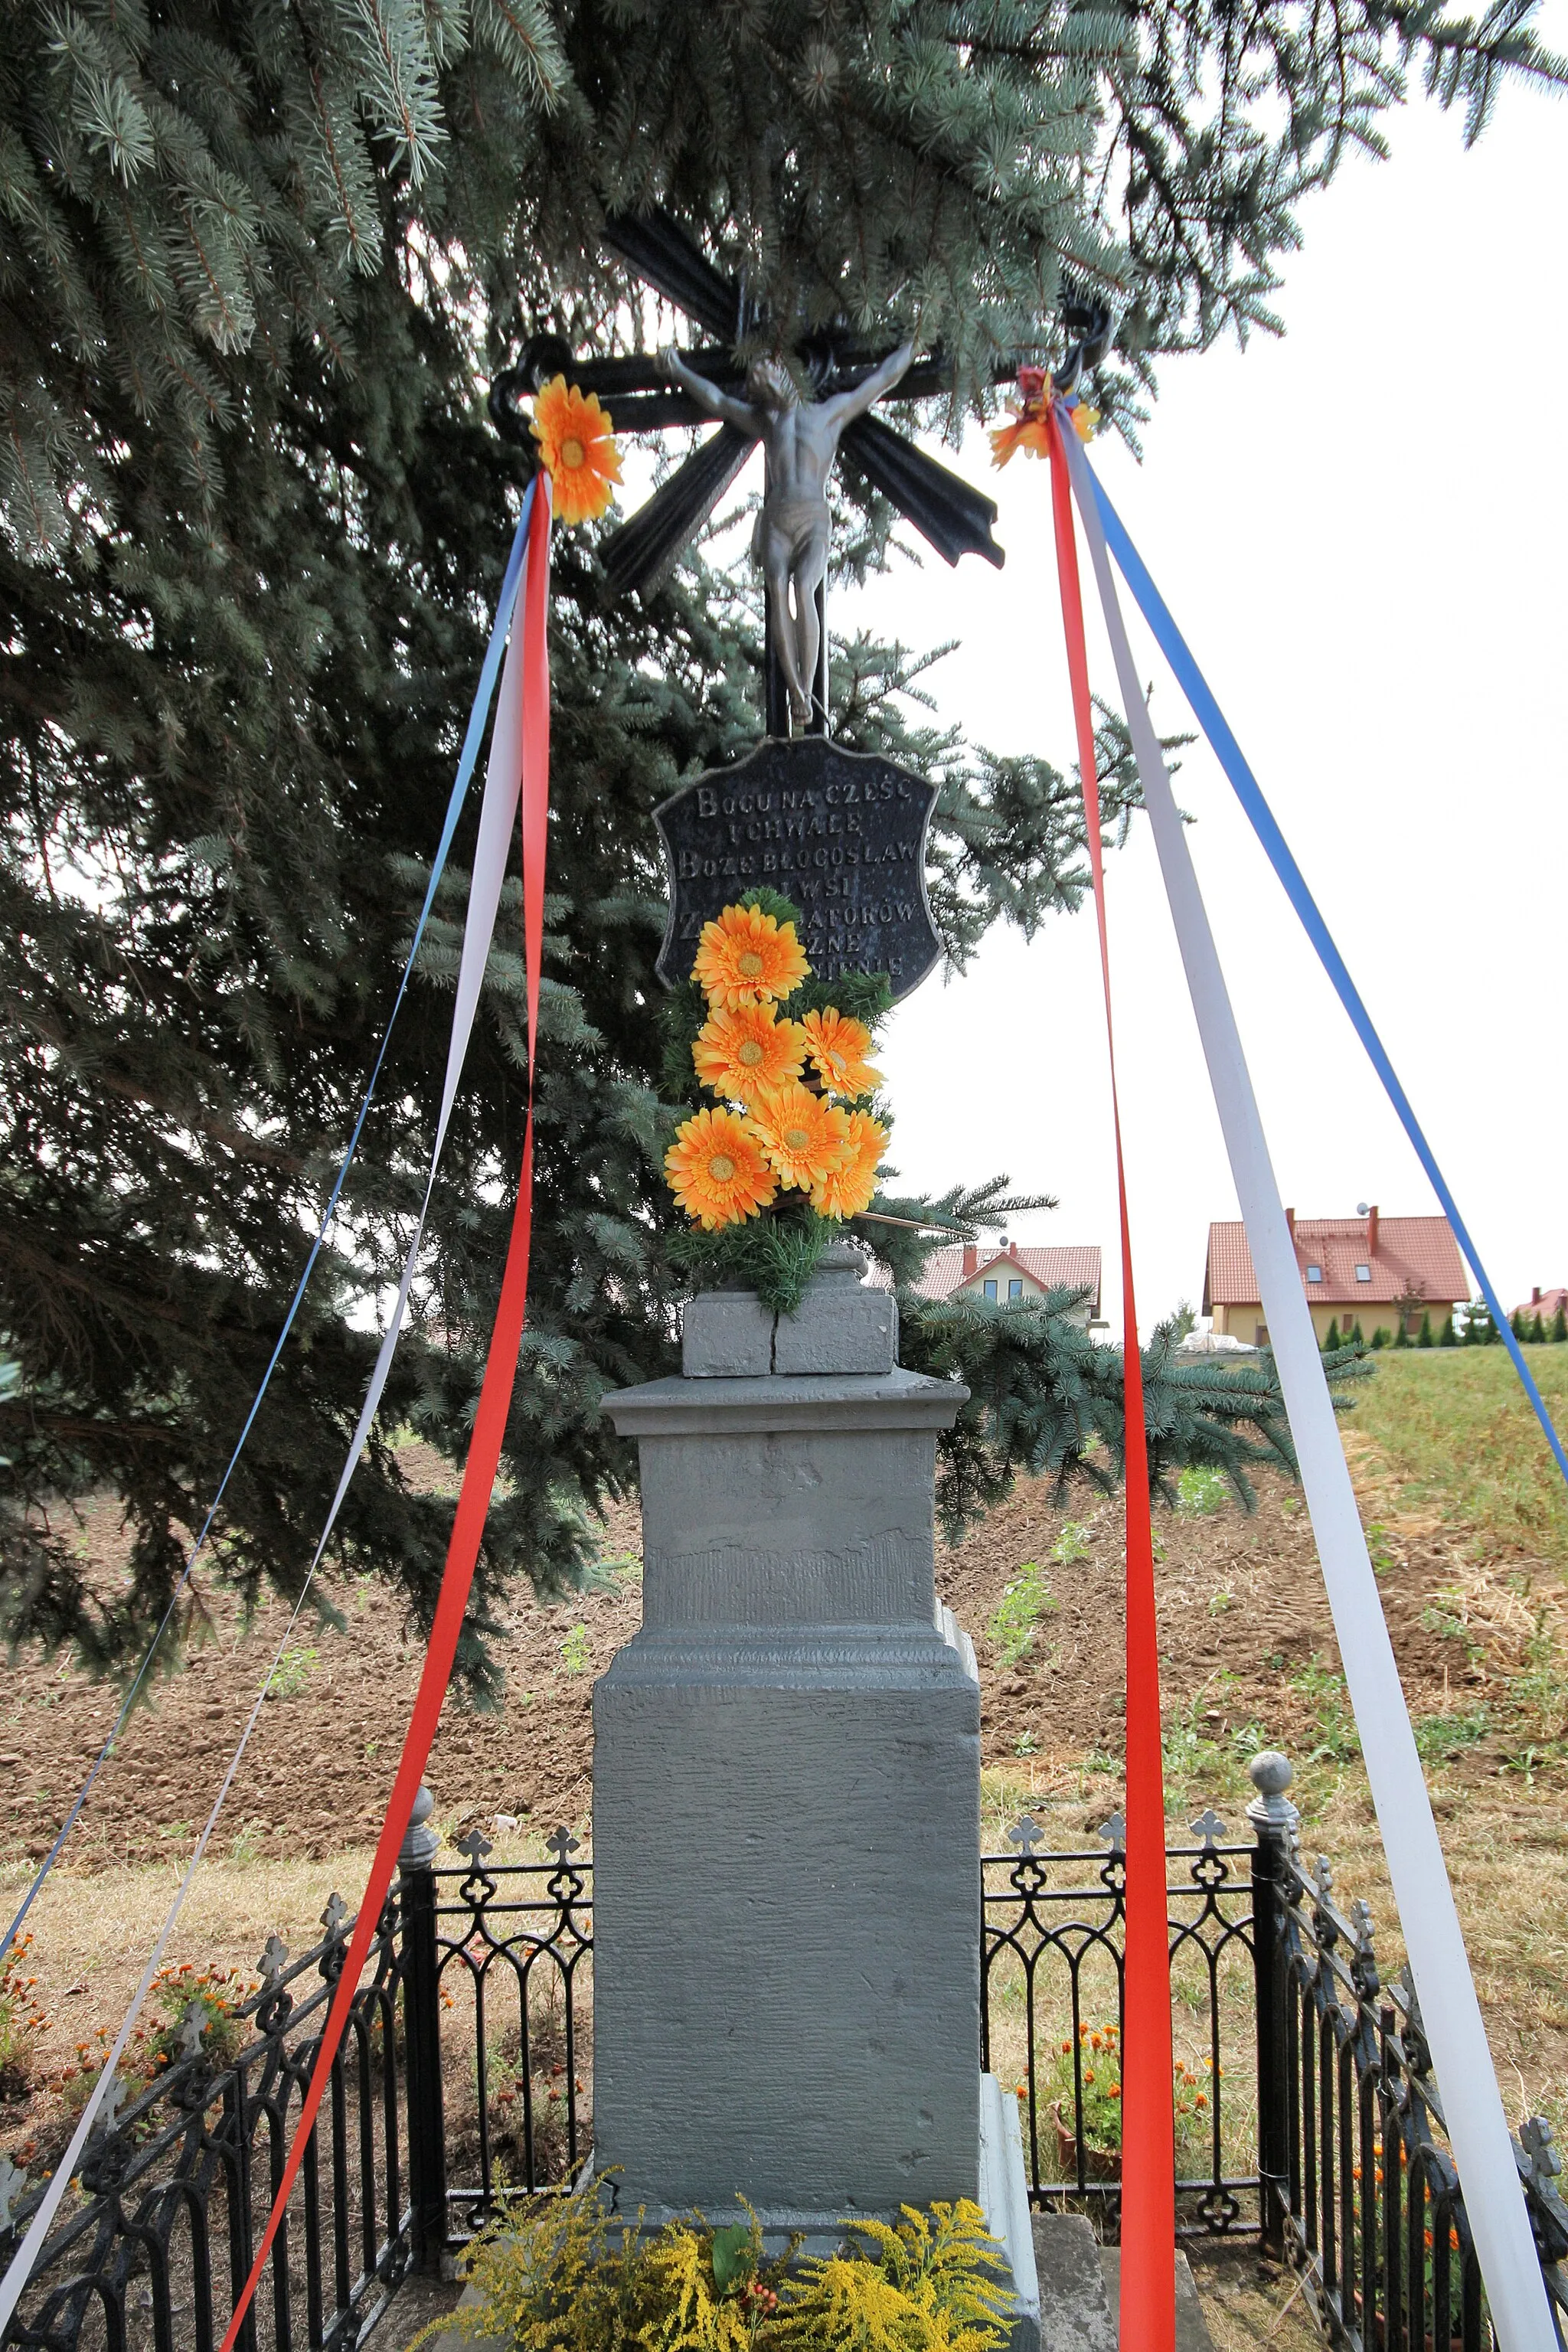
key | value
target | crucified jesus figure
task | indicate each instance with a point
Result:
(800, 441)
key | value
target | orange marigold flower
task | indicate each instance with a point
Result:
(717, 1170)
(848, 1191)
(738, 1053)
(1089, 2073)
(838, 1045)
(576, 442)
(805, 1138)
(748, 958)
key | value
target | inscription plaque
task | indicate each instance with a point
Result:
(842, 833)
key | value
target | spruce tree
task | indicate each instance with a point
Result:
(1560, 1322)
(1424, 1336)
(1332, 1336)
(1537, 1327)
(258, 268)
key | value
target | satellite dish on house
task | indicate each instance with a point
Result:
(1360, 1209)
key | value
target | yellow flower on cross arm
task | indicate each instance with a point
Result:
(717, 1171)
(576, 443)
(748, 958)
(849, 1191)
(738, 1053)
(838, 1045)
(805, 1138)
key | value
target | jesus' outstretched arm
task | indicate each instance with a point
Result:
(737, 413)
(844, 407)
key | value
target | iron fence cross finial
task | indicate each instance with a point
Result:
(273, 1959)
(1026, 1835)
(192, 2027)
(1113, 1832)
(1537, 2141)
(1208, 1827)
(561, 1842)
(474, 1847)
(336, 1912)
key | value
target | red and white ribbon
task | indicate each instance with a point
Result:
(1450, 2014)
(522, 730)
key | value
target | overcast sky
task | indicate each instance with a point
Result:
(1360, 529)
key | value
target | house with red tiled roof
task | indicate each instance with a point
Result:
(1547, 1304)
(1373, 1270)
(1010, 1272)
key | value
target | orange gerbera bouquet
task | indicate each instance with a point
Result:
(794, 1147)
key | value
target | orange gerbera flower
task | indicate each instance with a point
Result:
(576, 442)
(717, 1170)
(805, 1138)
(747, 958)
(848, 1191)
(838, 1045)
(1029, 412)
(737, 1054)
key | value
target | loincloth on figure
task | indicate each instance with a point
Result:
(802, 523)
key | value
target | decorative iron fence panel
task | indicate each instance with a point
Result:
(1364, 2196)
(1051, 2001)
(159, 2232)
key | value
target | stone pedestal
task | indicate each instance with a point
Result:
(786, 1791)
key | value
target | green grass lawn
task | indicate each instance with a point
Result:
(1460, 1436)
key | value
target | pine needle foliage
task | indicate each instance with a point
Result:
(257, 268)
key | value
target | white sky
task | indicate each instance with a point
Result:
(1359, 529)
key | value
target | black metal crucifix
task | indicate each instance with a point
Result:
(954, 517)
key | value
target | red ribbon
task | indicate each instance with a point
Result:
(1148, 2314)
(532, 751)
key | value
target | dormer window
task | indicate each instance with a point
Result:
(1363, 1274)
(1314, 1274)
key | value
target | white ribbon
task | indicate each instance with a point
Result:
(1450, 2012)
(503, 785)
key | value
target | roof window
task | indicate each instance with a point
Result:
(1314, 1274)
(1363, 1274)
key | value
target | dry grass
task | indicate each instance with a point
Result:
(1460, 1444)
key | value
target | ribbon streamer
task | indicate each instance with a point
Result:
(472, 738)
(1450, 2012)
(502, 789)
(1148, 2279)
(1245, 784)
(489, 1422)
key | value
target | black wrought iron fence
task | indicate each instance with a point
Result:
(1360, 2185)
(1051, 2011)
(1307, 2116)
(160, 2227)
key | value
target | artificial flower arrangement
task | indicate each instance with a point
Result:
(791, 1147)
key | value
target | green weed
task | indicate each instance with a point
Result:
(291, 1675)
(1200, 1491)
(1016, 1619)
(575, 1654)
(1333, 1725)
(1439, 1738)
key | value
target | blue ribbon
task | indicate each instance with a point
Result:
(483, 695)
(1228, 752)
